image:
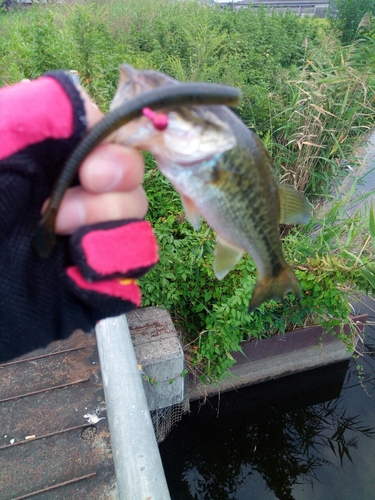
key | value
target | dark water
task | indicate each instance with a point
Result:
(308, 436)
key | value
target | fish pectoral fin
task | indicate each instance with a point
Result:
(226, 257)
(274, 287)
(294, 207)
(192, 214)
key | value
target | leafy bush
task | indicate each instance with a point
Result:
(346, 15)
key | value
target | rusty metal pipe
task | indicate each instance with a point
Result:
(139, 471)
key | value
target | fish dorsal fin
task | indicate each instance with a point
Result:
(226, 257)
(192, 214)
(294, 207)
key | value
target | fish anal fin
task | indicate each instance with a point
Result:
(272, 287)
(226, 257)
(294, 207)
(192, 214)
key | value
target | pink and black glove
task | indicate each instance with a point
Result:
(88, 276)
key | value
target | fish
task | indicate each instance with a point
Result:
(223, 173)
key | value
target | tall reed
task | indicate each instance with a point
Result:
(330, 110)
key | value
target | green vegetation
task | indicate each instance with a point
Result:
(346, 16)
(310, 98)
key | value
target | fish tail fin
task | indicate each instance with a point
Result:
(274, 287)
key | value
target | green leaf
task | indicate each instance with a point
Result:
(199, 307)
(369, 276)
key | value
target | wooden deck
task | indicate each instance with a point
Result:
(49, 447)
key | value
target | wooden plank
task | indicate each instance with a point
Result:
(48, 449)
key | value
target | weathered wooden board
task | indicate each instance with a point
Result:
(48, 449)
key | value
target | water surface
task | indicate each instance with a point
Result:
(306, 436)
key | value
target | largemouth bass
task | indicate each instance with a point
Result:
(222, 172)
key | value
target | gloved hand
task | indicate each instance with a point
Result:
(90, 275)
